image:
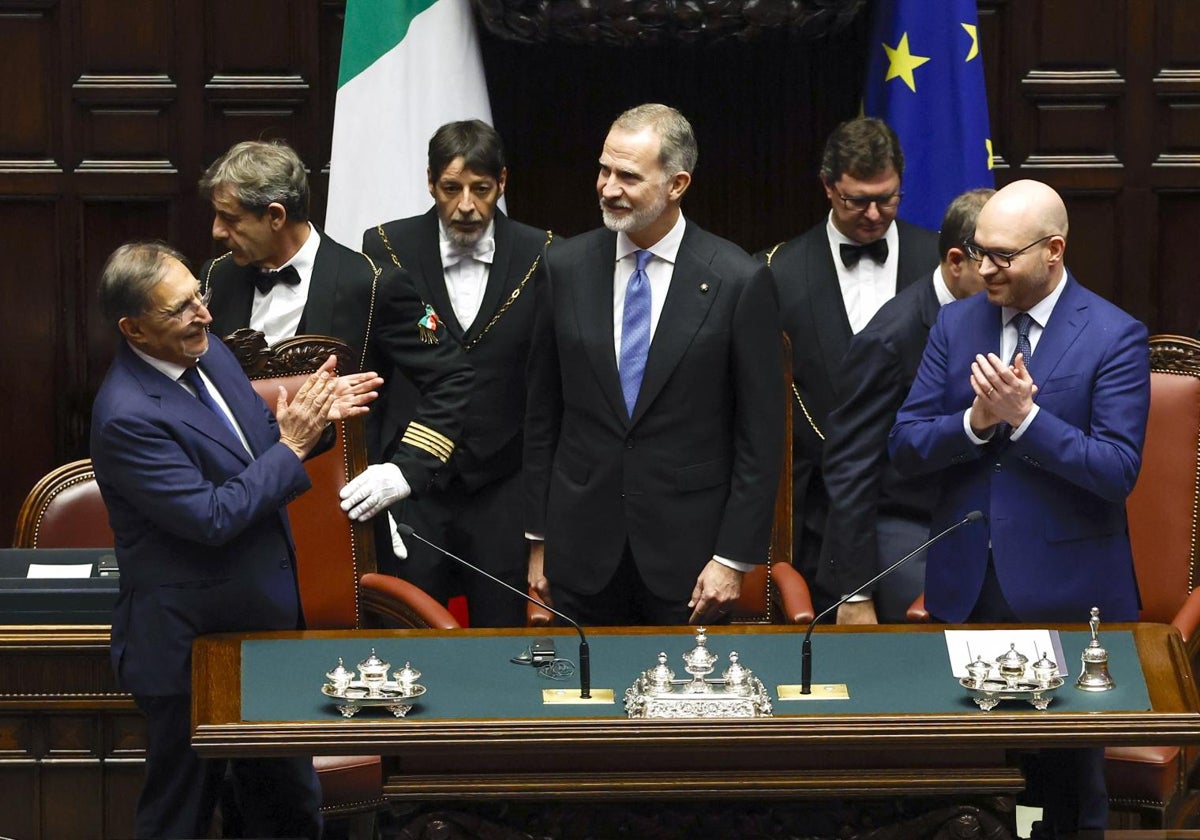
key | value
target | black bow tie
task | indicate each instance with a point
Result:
(876, 250)
(266, 280)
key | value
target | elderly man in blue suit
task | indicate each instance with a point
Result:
(195, 471)
(1030, 404)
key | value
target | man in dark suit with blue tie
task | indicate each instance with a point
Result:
(832, 280)
(655, 419)
(1030, 404)
(876, 516)
(196, 471)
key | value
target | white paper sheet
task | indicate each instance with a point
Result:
(47, 570)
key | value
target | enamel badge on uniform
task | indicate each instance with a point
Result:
(428, 326)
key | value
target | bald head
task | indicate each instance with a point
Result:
(1022, 232)
(1027, 208)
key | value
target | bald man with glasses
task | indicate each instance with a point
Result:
(1030, 404)
(832, 280)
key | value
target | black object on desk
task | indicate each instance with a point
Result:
(54, 600)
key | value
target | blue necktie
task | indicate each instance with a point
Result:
(635, 331)
(1023, 321)
(192, 377)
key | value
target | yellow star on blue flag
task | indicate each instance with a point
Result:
(925, 79)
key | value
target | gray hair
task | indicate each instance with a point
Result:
(261, 173)
(129, 274)
(678, 151)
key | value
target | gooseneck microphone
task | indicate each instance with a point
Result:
(585, 659)
(806, 649)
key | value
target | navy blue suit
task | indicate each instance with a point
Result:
(203, 543)
(1055, 497)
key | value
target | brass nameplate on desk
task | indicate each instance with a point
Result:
(570, 696)
(823, 691)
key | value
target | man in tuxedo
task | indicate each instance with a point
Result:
(283, 277)
(196, 474)
(832, 280)
(1030, 404)
(655, 415)
(473, 265)
(875, 515)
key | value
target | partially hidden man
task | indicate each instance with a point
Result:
(877, 516)
(473, 267)
(285, 277)
(196, 473)
(832, 280)
(655, 419)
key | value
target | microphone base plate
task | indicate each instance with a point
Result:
(570, 696)
(820, 691)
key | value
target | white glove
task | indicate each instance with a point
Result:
(377, 487)
(398, 546)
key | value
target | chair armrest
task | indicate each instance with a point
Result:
(793, 594)
(1187, 620)
(917, 612)
(536, 616)
(402, 603)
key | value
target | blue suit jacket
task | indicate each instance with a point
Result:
(1055, 498)
(202, 538)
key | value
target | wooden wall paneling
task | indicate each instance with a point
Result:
(29, 58)
(21, 813)
(33, 345)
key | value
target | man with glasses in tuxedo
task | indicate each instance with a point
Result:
(832, 280)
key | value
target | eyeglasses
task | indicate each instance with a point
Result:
(1001, 259)
(860, 203)
(188, 310)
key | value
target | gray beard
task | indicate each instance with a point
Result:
(464, 240)
(635, 221)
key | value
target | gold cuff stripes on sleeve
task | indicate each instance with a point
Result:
(425, 438)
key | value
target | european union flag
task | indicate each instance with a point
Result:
(925, 79)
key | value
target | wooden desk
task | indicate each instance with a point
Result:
(807, 752)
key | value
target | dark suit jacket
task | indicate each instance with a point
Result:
(694, 472)
(1055, 497)
(814, 316)
(201, 531)
(876, 373)
(375, 311)
(497, 342)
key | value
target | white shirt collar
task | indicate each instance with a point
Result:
(941, 289)
(1041, 310)
(483, 250)
(666, 248)
(168, 369)
(305, 260)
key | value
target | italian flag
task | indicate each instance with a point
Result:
(408, 66)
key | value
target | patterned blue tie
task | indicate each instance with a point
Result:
(192, 377)
(1023, 321)
(635, 331)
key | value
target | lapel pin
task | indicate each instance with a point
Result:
(703, 288)
(428, 326)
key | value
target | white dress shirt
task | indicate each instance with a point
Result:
(868, 285)
(659, 271)
(466, 272)
(277, 313)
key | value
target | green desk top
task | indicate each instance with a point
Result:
(470, 677)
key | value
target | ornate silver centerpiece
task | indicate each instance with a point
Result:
(373, 688)
(737, 694)
(1011, 677)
